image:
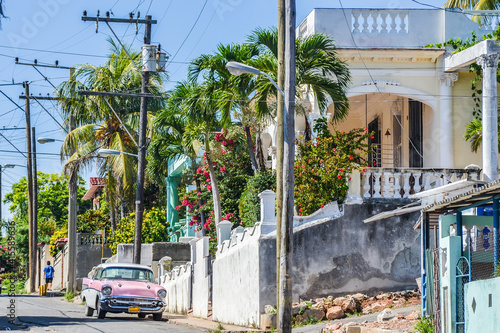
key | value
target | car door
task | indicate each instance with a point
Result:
(94, 286)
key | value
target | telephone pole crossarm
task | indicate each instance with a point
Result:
(117, 20)
(115, 94)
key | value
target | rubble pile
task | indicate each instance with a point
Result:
(331, 308)
(386, 320)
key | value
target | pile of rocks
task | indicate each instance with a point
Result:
(330, 308)
(386, 321)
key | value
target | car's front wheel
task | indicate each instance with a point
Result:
(157, 316)
(100, 312)
(89, 312)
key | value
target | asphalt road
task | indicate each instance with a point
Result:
(52, 314)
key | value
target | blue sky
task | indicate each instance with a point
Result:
(50, 30)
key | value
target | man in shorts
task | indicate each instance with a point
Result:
(49, 275)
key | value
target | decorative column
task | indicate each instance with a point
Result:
(489, 64)
(172, 199)
(446, 119)
(267, 211)
(272, 152)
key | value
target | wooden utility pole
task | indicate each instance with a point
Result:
(279, 137)
(32, 227)
(286, 247)
(141, 164)
(35, 201)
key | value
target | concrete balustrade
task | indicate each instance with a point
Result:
(399, 183)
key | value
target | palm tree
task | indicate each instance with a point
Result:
(236, 92)
(169, 144)
(474, 5)
(100, 122)
(318, 71)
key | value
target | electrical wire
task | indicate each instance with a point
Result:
(191, 30)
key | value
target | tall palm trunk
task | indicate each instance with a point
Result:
(255, 168)
(260, 154)
(200, 205)
(214, 183)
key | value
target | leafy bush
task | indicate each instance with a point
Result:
(92, 221)
(425, 325)
(154, 229)
(249, 206)
(60, 233)
(323, 166)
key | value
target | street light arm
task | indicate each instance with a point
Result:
(274, 83)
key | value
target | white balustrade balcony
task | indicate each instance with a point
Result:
(400, 183)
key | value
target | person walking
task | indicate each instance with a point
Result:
(49, 275)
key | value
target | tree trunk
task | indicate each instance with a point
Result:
(307, 132)
(260, 155)
(250, 150)
(213, 182)
(200, 205)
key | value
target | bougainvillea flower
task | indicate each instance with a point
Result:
(339, 176)
(322, 206)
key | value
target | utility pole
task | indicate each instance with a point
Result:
(32, 227)
(141, 164)
(35, 199)
(286, 247)
(279, 139)
(139, 194)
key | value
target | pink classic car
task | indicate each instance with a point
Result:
(120, 288)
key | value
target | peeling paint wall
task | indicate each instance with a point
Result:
(344, 255)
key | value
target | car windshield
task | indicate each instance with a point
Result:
(127, 273)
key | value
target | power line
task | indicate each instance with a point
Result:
(195, 22)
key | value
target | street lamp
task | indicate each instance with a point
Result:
(72, 196)
(237, 68)
(47, 140)
(104, 152)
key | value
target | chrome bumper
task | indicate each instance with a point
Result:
(122, 304)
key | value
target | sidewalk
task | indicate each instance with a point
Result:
(205, 324)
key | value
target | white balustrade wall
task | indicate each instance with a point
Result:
(395, 183)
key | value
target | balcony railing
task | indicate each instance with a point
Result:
(399, 183)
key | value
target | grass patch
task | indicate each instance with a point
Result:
(425, 325)
(69, 296)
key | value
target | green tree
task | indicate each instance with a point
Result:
(154, 229)
(236, 92)
(318, 71)
(52, 206)
(474, 5)
(323, 165)
(108, 122)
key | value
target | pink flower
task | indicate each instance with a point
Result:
(221, 169)
(199, 170)
(217, 137)
(224, 143)
(372, 136)
(300, 210)
(208, 180)
(339, 176)
(205, 173)
(341, 170)
(364, 170)
(177, 208)
(198, 194)
(209, 187)
(350, 157)
(185, 202)
(322, 206)
(334, 149)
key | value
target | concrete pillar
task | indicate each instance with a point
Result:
(446, 119)
(267, 211)
(489, 64)
(172, 199)
(354, 192)
(223, 231)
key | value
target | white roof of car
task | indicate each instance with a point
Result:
(124, 265)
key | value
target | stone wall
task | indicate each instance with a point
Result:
(344, 256)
